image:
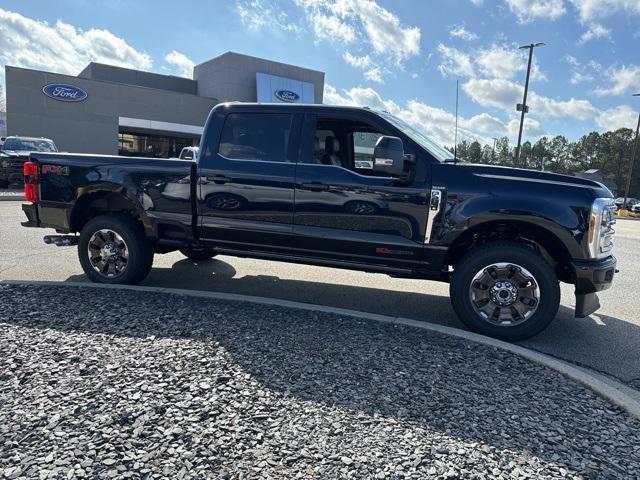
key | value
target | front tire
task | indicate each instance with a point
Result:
(505, 290)
(114, 249)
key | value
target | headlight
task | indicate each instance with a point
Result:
(603, 216)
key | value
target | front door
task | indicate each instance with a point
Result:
(245, 182)
(346, 212)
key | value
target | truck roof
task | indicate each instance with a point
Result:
(285, 106)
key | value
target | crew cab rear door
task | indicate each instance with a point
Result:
(245, 179)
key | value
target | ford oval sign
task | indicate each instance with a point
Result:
(64, 92)
(287, 95)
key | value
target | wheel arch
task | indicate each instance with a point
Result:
(102, 202)
(552, 249)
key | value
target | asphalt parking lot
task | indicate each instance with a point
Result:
(606, 342)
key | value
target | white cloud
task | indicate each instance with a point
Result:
(530, 129)
(183, 63)
(485, 124)
(571, 60)
(477, 2)
(528, 10)
(372, 71)
(63, 48)
(331, 28)
(455, 62)
(578, 78)
(622, 116)
(593, 9)
(594, 31)
(494, 93)
(459, 31)
(363, 20)
(504, 94)
(573, 108)
(499, 62)
(495, 61)
(625, 79)
(366, 28)
(259, 14)
(582, 73)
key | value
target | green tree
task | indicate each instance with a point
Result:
(503, 152)
(475, 152)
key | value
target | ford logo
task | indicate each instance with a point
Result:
(64, 92)
(287, 95)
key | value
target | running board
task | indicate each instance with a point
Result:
(61, 240)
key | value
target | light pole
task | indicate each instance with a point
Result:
(523, 107)
(633, 159)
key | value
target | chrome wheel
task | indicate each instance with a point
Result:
(108, 253)
(504, 294)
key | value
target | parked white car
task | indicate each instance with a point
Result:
(189, 153)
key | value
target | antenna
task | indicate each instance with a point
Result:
(455, 145)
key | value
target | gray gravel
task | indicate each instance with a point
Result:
(117, 384)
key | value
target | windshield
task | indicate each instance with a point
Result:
(420, 138)
(29, 145)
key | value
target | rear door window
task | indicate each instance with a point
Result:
(258, 136)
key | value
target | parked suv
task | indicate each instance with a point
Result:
(340, 187)
(15, 151)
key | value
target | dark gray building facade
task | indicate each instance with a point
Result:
(114, 110)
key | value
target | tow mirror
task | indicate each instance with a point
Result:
(388, 156)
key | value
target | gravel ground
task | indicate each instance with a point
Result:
(118, 384)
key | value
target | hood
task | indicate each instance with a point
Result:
(531, 176)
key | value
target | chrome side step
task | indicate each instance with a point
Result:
(61, 240)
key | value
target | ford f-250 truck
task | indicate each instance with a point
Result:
(340, 187)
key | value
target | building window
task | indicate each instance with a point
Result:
(135, 144)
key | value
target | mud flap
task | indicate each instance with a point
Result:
(586, 304)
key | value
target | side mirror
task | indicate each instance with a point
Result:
(388, 156)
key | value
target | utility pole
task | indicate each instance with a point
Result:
(522, 107)
(633, 159)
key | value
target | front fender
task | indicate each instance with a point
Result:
(567, 222)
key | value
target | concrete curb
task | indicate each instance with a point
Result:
(611, 390)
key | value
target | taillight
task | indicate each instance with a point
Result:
(30, 171)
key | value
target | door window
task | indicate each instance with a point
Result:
(257, 136)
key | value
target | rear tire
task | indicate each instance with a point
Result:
(114, 249)
(505, 290)
(198, 254)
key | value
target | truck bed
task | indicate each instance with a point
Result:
(71, 182)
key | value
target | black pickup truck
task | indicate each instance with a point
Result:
(340, 187)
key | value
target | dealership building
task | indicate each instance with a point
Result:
(114, 110)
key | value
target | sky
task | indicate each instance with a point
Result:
(401, 56)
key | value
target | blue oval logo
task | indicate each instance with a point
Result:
(64, 92)
(287, 95)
